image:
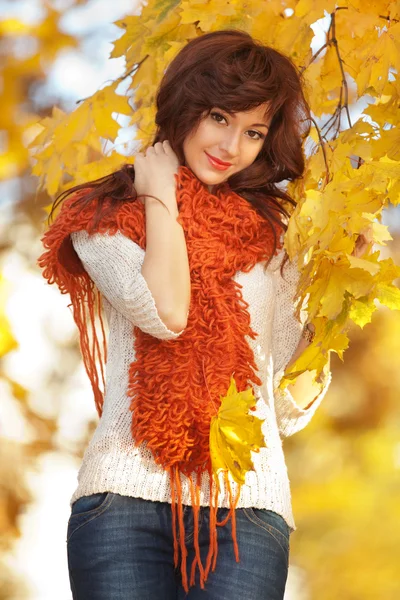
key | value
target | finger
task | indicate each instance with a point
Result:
(365, 241)
(368, 233)
(167, 147)
(356, 249)
(361, 247)
(158, 148)
(369, 236)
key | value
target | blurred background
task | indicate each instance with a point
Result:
(344, 467)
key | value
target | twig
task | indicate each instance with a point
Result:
(327, 174)
(122, 77)
(314, 56)
(389, 18)
(334, 41)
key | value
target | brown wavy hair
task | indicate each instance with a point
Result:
(230, 70)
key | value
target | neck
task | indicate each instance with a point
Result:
(210, 188)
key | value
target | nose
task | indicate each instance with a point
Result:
(230, 145)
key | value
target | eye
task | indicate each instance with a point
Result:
(261, 136)
(218, 118)
(217, 115)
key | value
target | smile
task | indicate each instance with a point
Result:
(216, 164)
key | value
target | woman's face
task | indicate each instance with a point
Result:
(233, 139)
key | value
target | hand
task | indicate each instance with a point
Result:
(364, 239)
(155, 169)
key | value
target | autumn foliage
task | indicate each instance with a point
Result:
(352, 170)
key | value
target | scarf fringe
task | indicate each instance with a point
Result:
(89, 343)
(178, 527)
(195, 496)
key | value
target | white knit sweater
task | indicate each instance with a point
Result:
(111, 462)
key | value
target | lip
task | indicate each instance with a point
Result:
(216, 163)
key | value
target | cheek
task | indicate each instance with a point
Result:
(256, 149)
(248, 155)
(205, 136)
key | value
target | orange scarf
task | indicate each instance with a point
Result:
(175, 386)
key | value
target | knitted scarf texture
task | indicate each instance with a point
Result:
(175, 386)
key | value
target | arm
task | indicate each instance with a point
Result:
(287, 343)
(114, 263)
(166, 264)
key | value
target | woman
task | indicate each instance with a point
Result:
(200, 308)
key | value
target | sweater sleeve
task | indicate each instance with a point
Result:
(286, 334)
(114, 263)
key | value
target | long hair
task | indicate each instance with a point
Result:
(231, 70)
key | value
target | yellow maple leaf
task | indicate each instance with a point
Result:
(72, 127)
(100, 167)
(362, 263)
(103, 104)
(389, 295)
(355, 280)
(361, 311)
(234, 434)
(132, 39)
(206, 12)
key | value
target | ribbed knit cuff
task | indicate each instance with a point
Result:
(290, 417)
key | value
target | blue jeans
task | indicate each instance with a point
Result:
(121, 548)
